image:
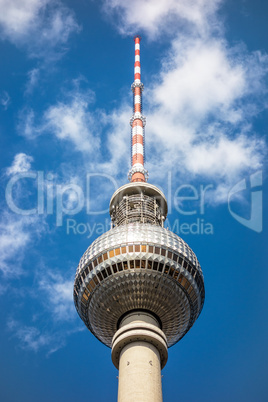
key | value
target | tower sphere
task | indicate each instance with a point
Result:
(139, 265)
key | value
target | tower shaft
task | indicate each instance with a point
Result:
(140, 374)
(140, 352)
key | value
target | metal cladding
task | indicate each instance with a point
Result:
(137, 172)
(138, 264)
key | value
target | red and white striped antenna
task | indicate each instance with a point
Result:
(137, 172)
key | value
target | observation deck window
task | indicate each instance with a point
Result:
(161, 266)
(187, 284)
(114, 267)
(99, 275)
(176, 274)
(171, 272)
(155, 265)
(95, 280)
(166, 269)
(104, 274)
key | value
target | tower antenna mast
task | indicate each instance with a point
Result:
(137, 172)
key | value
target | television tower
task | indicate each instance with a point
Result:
(139, 287)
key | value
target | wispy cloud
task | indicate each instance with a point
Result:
(34, 339)
(154, 17)
(5, 99)
(17, 234)
(18, 231)
(73, 122)
(29, 337)
(42, 27)
(33, 78)
(116, 142)
(69, 120)
(55, 321)
(26, 125)
(58, 295)
(21, 163)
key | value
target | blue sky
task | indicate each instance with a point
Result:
(65, 104)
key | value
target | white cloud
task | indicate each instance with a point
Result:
(225, 157)
(36, 339)
(21, 163)
(18, 229)
(30, 337)
(156, 16)
(40, 25)
(58, 295)
(200, 78)
(117, 141)
(33, 77)
(69, 121)
(73, 122)
(4, 99)
(17, 16)
(17, 233)
(26, 125)
(4, 288)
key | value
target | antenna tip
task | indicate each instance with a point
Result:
(137, 38)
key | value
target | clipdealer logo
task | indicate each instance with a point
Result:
(256, 208)
(48, 197)
(187, 200)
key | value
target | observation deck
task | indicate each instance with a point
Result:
(139, 265)
(135, 202)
